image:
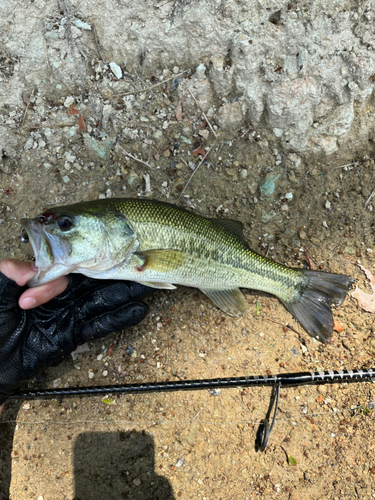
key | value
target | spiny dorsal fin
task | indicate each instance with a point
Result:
(233, 226)
(230, 301)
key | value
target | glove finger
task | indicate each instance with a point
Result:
(78, 286)
(108, 296)
(112, 321)
(9, 293)
(139, 291)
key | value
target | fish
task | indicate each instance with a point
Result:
(162, 245)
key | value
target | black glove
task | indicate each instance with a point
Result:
(34, 339)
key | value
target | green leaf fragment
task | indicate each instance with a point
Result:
(258, 308)
(185, 139)
(107, 401)
(291, 460)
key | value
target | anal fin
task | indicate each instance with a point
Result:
(162, 286)
(230, 301)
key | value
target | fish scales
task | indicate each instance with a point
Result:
(159, 225)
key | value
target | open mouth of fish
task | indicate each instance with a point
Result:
(49, 250)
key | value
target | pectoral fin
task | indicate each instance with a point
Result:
(230, 301)
(161, 260)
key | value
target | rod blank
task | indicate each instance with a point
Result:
(283, 380)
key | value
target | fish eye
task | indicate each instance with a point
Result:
(65, 222)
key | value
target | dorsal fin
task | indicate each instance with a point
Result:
(233, 226)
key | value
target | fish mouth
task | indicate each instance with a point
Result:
(48, 248)
(34, 233)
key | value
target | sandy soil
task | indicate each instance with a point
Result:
(194, 445)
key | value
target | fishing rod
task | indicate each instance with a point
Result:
(276, 381)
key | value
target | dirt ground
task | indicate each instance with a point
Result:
(195, 445)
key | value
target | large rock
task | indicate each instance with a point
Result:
(302, 69)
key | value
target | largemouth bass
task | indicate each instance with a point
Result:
(161, 245)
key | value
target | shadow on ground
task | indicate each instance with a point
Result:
(116, 465)
(110, 465)
(6, 446)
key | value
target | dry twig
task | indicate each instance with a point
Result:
(195, 171)
(53, 125)
(97, 43)
(71, 44)
(347, 165)
(133, 157)
(205, 156)
(46, 50)
(205, 117)
(369, 198)
(151, 87)
(27, 107)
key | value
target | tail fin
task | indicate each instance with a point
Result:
(312, 308)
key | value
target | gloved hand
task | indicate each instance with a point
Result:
(88, 309)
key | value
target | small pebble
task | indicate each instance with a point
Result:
(175, 83)
(204, 133)
(116, 70)
(91, 375)
(214, 392)
(84, 26)
(56, 383)
(130, 350)
(105, 373)
(68, 101)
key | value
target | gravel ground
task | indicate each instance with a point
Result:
(119, 142)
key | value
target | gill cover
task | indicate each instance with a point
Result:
(64, 242)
